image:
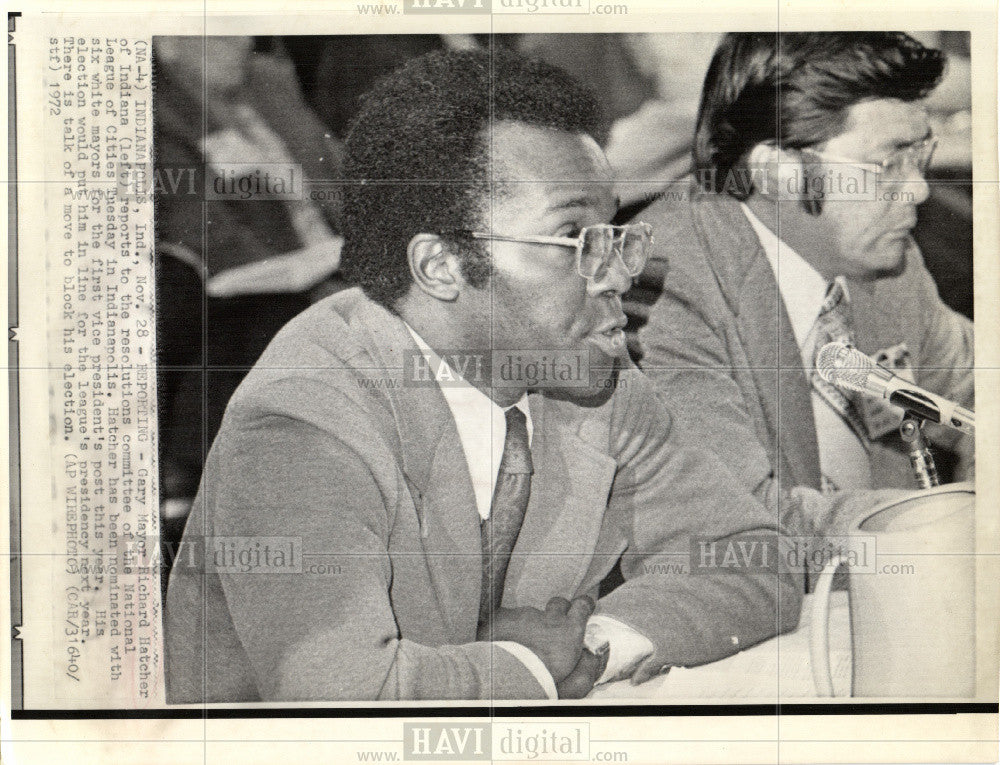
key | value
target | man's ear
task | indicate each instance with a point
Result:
(435, 268)
(777, 174)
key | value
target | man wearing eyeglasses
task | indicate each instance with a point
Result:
(810, 155)
(457, 513)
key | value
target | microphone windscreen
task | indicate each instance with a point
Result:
(840, 364)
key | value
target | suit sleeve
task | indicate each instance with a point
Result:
(945, 362)
(332, 635)
(683, 512)
(686, 355)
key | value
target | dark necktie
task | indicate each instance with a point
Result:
(510, 500)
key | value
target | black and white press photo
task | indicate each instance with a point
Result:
(454, 381)
(495, 401)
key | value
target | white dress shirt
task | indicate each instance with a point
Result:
(482, 431)
(842, 457)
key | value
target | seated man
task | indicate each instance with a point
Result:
(810, 153)
(451, 459)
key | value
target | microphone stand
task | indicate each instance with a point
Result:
(921, 459)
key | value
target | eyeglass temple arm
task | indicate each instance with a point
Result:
(928, 145)
(844, 160)
(559, 240)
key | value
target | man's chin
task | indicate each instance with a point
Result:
(888, 261)
(895, 257)
(595, 390)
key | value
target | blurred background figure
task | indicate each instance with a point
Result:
(944, 230)
(231, 271)
(649, 85)
(336, 70)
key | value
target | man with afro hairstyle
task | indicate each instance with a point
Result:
(458, 452)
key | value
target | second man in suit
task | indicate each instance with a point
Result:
(810, 156)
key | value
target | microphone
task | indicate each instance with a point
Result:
(846, 367)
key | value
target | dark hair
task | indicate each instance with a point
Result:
(417, 156)
(794, 89)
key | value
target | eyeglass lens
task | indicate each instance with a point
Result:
(919, 155)
(600, 243)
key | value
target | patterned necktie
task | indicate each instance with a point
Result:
(510, 500)
(833, 325)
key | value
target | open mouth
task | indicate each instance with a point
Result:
(611, 341)
(616, 336)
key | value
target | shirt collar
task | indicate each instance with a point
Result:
(802, 287)
(480, 421)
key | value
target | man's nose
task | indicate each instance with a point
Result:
(916, 184)
(616, 278)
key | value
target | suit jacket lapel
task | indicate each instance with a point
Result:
(747, 282)
(569, 490)
(569, 496)
(436, 471)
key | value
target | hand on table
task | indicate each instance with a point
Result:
(584, 676)
(555, 635)
(645, 672)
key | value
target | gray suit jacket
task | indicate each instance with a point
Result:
(720, 348)
(327, 443)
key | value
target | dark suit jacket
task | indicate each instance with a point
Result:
(325, 441)
(720, 348)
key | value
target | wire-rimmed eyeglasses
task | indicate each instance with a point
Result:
(918, 155)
